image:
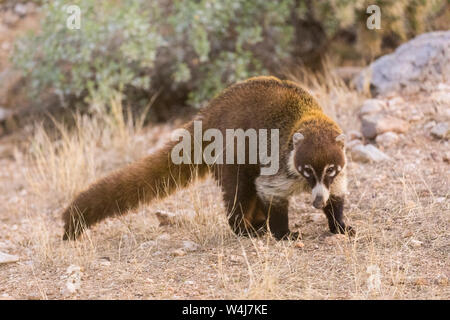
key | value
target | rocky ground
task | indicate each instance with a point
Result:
(398, 201)
(181, 247)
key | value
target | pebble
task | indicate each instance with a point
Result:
(387, 139)
(8, 258)
(373, 125)
(147, 244)
(190, 246)
(416, 243)
(371, 106)
(368, 153)
(178, 252)
(441, 130)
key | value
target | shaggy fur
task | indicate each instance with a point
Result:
(254, 203)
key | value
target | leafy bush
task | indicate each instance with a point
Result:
(139, 47)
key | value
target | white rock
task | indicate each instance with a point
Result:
(178, 252)
(4, 113)
(147, 244)
(73, 283)
(373, 125)
(163, 237)
(420, 63)
(371, 106)
(354, 135)
(441, 130)
(21, 9)
(353, 143)
(8, 258)
(395, 102)
(316, 217)
(190, 246)
(368, 153)
(416, 243)
(387, 139)
(429, 125)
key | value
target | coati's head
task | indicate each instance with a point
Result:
(318, 156)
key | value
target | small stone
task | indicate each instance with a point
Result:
(147, 244)
(190, 246)
(73, 283)
(441, 130)
(368, 153)
(416, 243)
(371, 106)
(353, 143)
(421, 282)
(105, 261)
(10, 18)
(189, 282)
(387, 139)
(354, 135)
(373, 125)
(446, 157)
(429, 125)
(21, 9)
(440, 199)
(163, 237)
(395, 101)
(4, 113)
(316, 217)
(178, 252)
(8, 258)
(441, 280)
(407, 234)
(236, 258)
(299, 244)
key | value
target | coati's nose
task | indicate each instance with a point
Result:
(319, 202)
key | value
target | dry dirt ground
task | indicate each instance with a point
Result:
(400, 208)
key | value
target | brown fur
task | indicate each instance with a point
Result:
(258, 103)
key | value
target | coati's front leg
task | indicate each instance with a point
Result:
(334, 210)
(247, 213)
(277, 212)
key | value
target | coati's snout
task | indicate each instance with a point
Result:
(320, 195)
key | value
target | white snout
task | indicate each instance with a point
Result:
(320, 195)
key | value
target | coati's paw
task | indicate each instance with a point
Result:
(288, 236)
(343, 229)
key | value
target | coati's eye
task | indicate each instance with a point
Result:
(331, 171)
(306, 171)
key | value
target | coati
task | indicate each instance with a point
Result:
(311, 158)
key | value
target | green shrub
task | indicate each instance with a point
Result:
(137, 47)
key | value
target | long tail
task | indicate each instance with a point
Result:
(152, 177)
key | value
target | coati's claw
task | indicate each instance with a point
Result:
(289, 236)
(343, 230)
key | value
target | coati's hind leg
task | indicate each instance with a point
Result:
(244, 213)
(334, 210)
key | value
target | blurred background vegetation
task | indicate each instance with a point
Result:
(180, 53)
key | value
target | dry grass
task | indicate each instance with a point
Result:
(401, 213)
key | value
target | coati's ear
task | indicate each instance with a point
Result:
(297, 138)
(341, 139)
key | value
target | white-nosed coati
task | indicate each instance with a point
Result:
(311, 157)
